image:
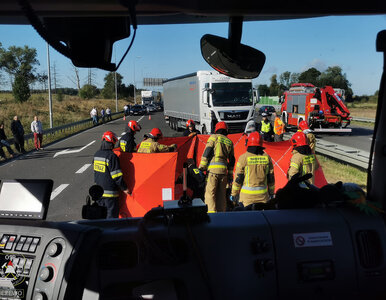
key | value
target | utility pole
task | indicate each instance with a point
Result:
(49, 85)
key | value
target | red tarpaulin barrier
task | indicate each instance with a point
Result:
(152, 177)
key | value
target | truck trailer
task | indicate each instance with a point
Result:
(321, 108)
(208, 97)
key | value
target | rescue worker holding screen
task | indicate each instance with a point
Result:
(191, 129)
(151, 145)
(303, 126)
(219, 160)
(127, 141)
(254, 180)
(303, 161)
(108, 174)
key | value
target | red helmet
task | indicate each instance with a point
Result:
(299, 139)
(254, 139)
(190, 123)
(134, 126)
(303, 125)
(221, 125)
(157, 133)
(110, 137)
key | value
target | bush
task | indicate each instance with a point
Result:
(20, 88)
(88, 91)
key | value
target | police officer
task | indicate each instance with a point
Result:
(254, 180)
(303, 126)
(150, 143)
(127, 141)
(191, 129)
(219, 160)
(303, 161)
(266, 129)
(108, 174)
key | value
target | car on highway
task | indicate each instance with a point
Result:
(137, 110)
(152, 108)
(268, 109)
(159, 106)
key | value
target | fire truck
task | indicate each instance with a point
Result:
(322, 108)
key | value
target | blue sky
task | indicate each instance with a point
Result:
(292, 45)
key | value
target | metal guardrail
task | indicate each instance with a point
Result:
(367, 120)
(344, 154)
(30, 137)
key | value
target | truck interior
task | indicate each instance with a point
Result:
(179, 251)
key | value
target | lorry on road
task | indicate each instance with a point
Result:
(208, 97)
(148, 97)
(321, 108)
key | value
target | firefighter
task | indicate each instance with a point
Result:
(303, 126)
(219, 160)
(254, 180)
(108, 174)
(265, 128)
(150, 143)
(127, 141)
(303, 161)
(278, 128)
(191, 129)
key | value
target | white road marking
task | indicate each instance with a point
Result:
(82, 169)
(58, 190)
(141, 118)
(73, 151)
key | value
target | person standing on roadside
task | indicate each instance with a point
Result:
(94, 116)
(4, 142)
(108, 114)
(18, 134)
(103, 115)
(37, 130)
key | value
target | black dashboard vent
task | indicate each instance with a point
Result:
(369, 248)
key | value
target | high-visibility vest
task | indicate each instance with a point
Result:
(278, 127)
(265, 127)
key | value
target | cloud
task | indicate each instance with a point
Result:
(317, 64)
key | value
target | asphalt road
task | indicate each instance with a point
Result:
(68, 164)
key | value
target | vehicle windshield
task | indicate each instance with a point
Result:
(232, 94)
(336, 51)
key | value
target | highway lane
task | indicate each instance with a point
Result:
(68, 163)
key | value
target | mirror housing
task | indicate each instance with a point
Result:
(234, 60)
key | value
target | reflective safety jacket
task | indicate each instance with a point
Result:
(278, 126)
(108, 173)
(303, 164)
(265, 127)
(151, 146)
(254, 178)
(127, 142)
(218, 156)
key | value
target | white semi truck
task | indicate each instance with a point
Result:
(148, 97)
(208, 97)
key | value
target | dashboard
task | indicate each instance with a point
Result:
(325, 253)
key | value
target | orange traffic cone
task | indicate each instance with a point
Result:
(149, 117)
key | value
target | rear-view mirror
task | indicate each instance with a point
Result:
(234, 60)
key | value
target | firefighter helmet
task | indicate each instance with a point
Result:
(134, 126)
(299, 139)
(221, 125)
(190, 123)
(303, 125)
(156, 133)
(254, 139)
(110, 137)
